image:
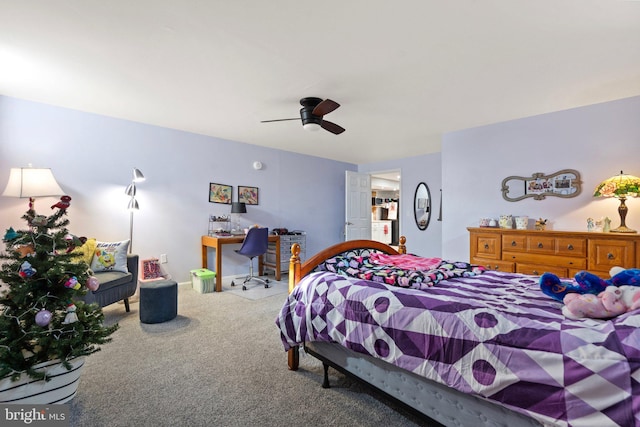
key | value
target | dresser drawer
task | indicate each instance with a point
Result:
(539, 270)
(514, 242)
(543, 259)
(495, 265)
(541, 244)
(571, 247)
(604, 254)
(486, 246)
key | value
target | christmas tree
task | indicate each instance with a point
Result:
(42, 315)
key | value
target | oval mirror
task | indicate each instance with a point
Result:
(422, 206)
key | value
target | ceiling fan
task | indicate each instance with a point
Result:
(312, 115)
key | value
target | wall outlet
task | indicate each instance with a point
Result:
(163, 258)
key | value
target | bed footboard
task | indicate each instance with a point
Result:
(298, 270)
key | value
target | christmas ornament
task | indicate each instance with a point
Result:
(39, 220)
(72, 283)
(63, 204)
(92, 283)
(71, 316)
(26, 270)
(10, 234)
(43, 317)
(25, 250)
(74, 241)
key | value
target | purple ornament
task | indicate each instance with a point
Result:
(92, 283)
(43, 317)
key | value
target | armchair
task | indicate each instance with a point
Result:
(115, 286)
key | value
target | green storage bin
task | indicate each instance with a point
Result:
(203, 280)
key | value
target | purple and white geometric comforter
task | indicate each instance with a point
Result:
(494, 335)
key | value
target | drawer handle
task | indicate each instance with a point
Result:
(570, 247)
(535, 272)
(513, 243)
(540, 245)
(486, 246)
(610, 256)
(497, 268)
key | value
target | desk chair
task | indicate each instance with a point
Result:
(255, 244)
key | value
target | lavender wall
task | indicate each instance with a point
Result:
(598, 141)
(92, 158)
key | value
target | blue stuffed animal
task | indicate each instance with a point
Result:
(587, 283)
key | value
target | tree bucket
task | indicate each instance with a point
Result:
(61, 387)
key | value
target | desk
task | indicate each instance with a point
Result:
(216, 243)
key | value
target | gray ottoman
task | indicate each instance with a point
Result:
(158, 301)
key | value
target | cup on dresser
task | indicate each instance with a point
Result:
(484, 222)
(506, 221)
(522, 222)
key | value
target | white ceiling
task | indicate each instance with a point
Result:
(404, 71)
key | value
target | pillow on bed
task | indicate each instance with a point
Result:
(341, 264)
(110, 256)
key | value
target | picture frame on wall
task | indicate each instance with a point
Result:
(248, 195)
(220, 193)
(538, 186)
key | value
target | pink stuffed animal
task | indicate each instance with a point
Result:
(611, 302)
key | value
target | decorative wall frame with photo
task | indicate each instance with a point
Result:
(220, 193)
(564, 183)
(248, 195)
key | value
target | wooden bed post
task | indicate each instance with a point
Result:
(401, 247)
(294, 266)
(293, 355)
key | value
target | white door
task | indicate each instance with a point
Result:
(358, 206)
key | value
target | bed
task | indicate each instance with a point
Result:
(471, 349)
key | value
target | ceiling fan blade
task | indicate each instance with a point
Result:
(332, 127)
(325, 107)
(278, 120)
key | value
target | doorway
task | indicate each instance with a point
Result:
(385, 206)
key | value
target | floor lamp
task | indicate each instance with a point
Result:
(133, 203)
(31, 183)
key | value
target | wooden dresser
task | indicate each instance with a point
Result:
(563, 253)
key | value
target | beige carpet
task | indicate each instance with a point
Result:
(220, 362)
(256, 290)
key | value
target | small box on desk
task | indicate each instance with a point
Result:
(203, 280)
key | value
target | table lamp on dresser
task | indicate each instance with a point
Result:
(622, 187)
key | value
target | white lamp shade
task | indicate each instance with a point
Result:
(32, 182)
(137, 175)
(130, 190)
(133, 205)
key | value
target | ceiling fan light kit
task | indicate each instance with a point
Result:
(311, 126)
(312, 112)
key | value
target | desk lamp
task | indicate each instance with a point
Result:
(237, 208)
(620, 186)
(32, 182)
